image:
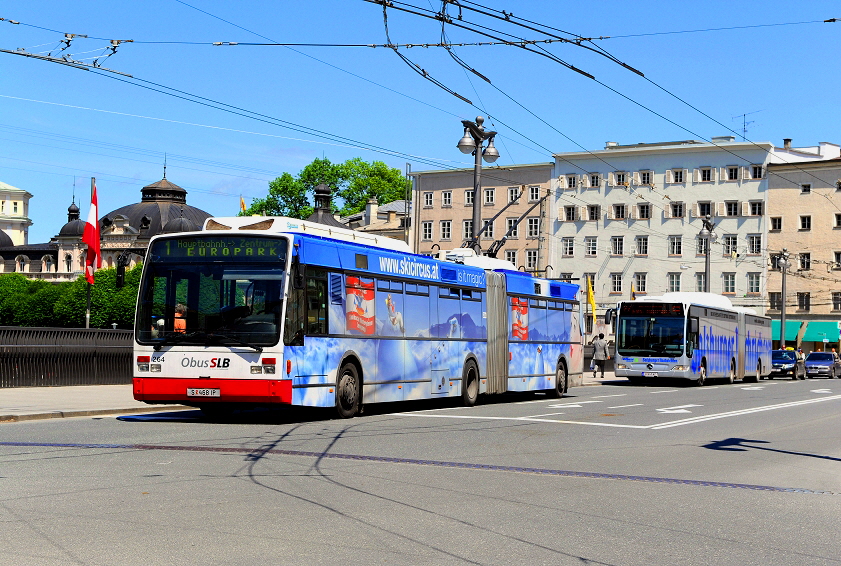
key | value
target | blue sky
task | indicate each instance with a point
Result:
(58, 124)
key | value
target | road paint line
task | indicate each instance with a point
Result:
(605, 396)
(752, 388)
(624, 406)
(821, 391)
(575, 404)
(546, 415)
(666, 391)
(699, 419)
(679, 409)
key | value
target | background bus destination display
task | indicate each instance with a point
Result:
(652, 309)
(219, 248)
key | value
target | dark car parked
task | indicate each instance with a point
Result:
(785, 363)
(823, 364)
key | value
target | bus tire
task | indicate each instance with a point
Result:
(702, 375)
(758, 377)
(469, 383)
(560, 382)
(347, 391)
(731, 377)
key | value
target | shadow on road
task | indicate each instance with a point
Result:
(744, 444)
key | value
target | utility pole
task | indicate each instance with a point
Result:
(783, 263)
(474, 136)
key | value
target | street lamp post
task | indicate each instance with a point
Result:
(783, 263)
(707, 235)
(474, 136)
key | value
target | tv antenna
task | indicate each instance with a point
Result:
(745, 122)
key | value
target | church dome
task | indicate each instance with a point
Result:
(180, 224)
(5, 240)
(74, 228)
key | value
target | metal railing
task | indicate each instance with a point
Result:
(43, 357)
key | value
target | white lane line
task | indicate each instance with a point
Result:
(699, 419)
(623, 406)
(605, 396)
(678, 409)
(532, 419)
(821, 390)
(569, 405)
(752, 388)
(546, 415)
(666, 391)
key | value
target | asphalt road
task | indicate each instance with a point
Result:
(742, 474)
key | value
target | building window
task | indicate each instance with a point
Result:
(677, 176)
(703, 246)
(806, 188)
(569, 213)
(15, 210)
(48, 264)
(732, 173)
(639, 282)
(594, 212)
(674, 282)
(619, 211)
(704, 209)
(446, 229)
(568, 247)
(512, 228)
(675, 245)
(836, 301)
(677, 210)
(467, 229)
(729, 283)
(706, 175)
(803, 301)
(805, 261)
(837, 256)
(700, 282)
(426, 228)
(642, 245)
(489, 196)
(805, 222)
(566, 277)
(775, 301)
(620, 179)
(756, 171)
(777, 222)
(731, 208)
(590, 243)
(753, 283)
(21, 260)
(615, 282)
(572, 181)
(729, 245)
(489, 230)
(837, 220)
(427, 200)
(755, 244)
(617, 245)
(533, 227)
(447, 198)
(644, 211)
(513, 193)
(511, 256)
(756, 208)
(531, 260)
(534, 194)
(595, 180)
(68, 263)
(645, 178)
(468, 198)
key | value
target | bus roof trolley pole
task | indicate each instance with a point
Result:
(494, 248)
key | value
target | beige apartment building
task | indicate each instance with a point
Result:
(804, 214)
(442, 211)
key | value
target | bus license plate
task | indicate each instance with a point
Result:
(649, 374)
(204, 392)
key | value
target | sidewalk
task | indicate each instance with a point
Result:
(30, 403)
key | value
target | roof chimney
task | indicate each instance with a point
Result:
(787, 143)
(608, 145)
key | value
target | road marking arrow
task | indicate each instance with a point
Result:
(753, 388)
(678, 409)
(566, 405)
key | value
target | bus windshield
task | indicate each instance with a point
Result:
(212, 290)
(650, 336)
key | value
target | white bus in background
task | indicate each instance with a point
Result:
(691, 336)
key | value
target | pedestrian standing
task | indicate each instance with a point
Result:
(600, 355)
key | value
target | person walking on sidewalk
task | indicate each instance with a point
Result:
(600, 355)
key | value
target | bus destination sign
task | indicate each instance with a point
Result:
(651, 309)
(219, 248)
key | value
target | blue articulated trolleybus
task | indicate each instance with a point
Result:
(692, 336)
(283, 311)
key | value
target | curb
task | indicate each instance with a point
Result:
(88, 413)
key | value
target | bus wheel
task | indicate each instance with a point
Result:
(731, 377)
(347, 391)
(560, 382)
(470, 383)
(758, 377)
(702, 376)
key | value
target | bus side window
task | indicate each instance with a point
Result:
(293, 328)
(316, 289)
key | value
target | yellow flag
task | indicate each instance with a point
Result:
(241, 204)
(591, 299)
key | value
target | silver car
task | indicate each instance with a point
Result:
(823, 364)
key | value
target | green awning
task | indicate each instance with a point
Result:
(820, 329)
(792, 328)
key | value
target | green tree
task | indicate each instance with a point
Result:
(287, 197)
(12, 286)
(363, 180)
(108, 304)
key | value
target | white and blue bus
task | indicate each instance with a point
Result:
(692, 336)
(271, 310)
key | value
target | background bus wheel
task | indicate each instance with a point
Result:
(347, 391)
(758, 377)
(560, 382)
(731, 377)
(470, 383)
(702, 376)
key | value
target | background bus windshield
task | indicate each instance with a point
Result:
(231, 297)
(650, 336)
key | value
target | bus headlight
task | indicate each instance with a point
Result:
(621, 366)
(256, 369)
(680, 368)
(155, 367)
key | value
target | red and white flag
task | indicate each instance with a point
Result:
(91, 237)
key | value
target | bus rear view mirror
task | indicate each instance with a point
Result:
(693, 326)
(297, 274)
(608, 317)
